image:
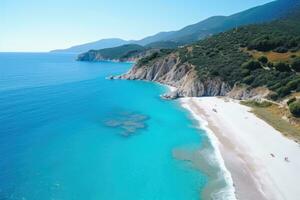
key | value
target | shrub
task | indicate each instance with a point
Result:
(261, 104)
(251, 65)
(296, 64)
(292, 85)
(281, 50)
(282, 67)
(245, 72)
(147, 59)
(273, 96)
(263, 44)
(283, 91)
(295, 49)
(248, 79)
(270, 65)
(263, 59)
(215, 72)
(292, 100)
(295, 108)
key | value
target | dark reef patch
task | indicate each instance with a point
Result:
(128, 122)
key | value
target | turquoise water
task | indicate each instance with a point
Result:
(68, 133)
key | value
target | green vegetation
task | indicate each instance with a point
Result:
(152, 57)
(129, 51)
(291, 101)
(282, 67)
(273, 115)
(163, 45)
(229, 55)
(252, 103)
(251, 65)
(275, 42)
(296, 64)
(213, 25)
(263, 59)
(295, 108)
(120, 53)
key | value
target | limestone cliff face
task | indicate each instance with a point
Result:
(184, 77)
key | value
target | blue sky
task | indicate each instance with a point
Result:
(42, 25)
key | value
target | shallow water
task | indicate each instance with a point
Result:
(68, 133)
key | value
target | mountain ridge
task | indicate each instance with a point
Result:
(100, 44)
(207, 27)
(254, 61)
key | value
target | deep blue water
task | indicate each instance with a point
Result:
(67, 133)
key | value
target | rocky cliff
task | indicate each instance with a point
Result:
(184, 77)
(187, 81)
(233, 63)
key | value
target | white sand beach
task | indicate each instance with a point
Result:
(253, 151)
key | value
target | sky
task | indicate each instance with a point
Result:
(43, 25)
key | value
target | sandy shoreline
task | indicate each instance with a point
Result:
(253, 151)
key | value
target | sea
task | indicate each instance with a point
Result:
(68, 133)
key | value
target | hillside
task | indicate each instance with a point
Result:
(227, 63)
(122, 53)
(217, 24)
(202, 29)
(163, 45)
(129, 52)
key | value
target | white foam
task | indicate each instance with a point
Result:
(227, 193)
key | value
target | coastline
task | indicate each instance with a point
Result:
(250, 152)
(227, 191)
(221, 186)
(247, 145)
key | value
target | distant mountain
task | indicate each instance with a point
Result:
(216, 24)
(253, 61)
(189, 34)
(100, 44)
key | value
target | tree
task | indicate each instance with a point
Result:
(296, 64)
(295, 108)
(251, 65)
(263, 59)
(281, 50)
(282, 67)
(292, 100)
(270, 65)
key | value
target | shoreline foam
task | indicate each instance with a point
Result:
(227, 192)
(253, 151)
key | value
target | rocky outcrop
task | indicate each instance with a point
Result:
(184, 77)
(243, 92)
(189, 83)
(125, 56)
